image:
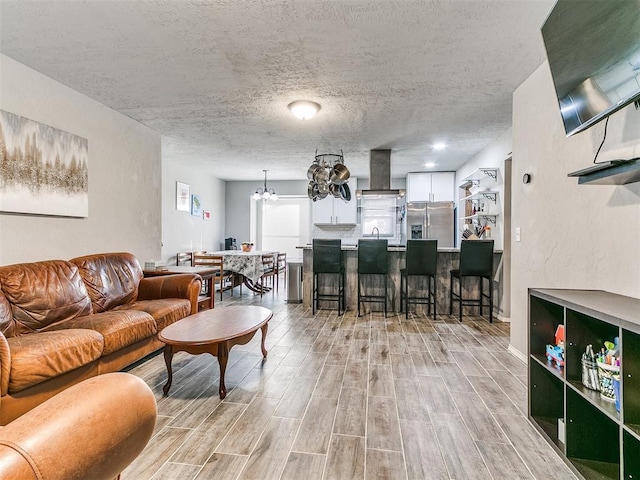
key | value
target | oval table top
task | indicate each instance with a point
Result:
(215, 325)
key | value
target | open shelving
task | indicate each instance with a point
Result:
(597, 440)
(479, 174)
(478, 203)
(487, 195)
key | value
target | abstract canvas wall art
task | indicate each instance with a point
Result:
(43, 170)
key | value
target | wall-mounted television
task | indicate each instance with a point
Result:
(593, 47)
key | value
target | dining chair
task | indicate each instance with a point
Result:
(269, 270)
(476, 260)
(222, 278)
(281, 267)
(184, 259)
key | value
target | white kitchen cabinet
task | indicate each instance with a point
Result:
(335, 211)
(431, 187)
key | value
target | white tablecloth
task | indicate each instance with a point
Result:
(248, 264)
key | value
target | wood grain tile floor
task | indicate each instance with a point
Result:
(348, 398)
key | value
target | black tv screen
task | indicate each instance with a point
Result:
(593, 47)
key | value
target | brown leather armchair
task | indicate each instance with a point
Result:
(91, 430)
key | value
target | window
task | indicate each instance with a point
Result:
(378, 213)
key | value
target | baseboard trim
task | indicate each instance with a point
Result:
(517, 353)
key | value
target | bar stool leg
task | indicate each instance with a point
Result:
(450, 294)
(339, 293)
(435, 294)
(490, 299)
(344, 301)
(460, 290)
(385, 296)
(406, 296)
(313, 294)
(358, 294)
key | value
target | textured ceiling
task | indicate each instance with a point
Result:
(215, 77)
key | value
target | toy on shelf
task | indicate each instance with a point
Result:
(556, 352)
(608, 362)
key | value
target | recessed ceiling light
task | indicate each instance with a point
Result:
(304, 109)
(430, 164)
(439, 146)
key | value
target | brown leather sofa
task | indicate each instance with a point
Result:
(81, 433)
(62, 322)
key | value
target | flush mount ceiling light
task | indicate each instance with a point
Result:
(304, 109)
(439, 146)
(430, 164)
(265, 193)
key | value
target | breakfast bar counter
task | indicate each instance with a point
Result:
(448, 259)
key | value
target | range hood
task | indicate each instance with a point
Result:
(380, 176)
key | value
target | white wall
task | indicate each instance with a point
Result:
(181, 231)
(492, 156)
(572, 236)
(124, 175)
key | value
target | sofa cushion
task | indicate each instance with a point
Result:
(111, 278)
(165, 311)
(40, 356)
(41, 294)
(118, 328)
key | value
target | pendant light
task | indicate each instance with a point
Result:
(265, 193)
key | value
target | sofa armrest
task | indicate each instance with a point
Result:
(93, 429)
(183, 285)
(5, 365)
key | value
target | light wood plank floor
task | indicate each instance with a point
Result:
(348, 398)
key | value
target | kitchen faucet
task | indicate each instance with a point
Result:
(377, 232)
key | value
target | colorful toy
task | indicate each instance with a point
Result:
(556, 352)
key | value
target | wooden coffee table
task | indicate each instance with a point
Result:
(215, 332)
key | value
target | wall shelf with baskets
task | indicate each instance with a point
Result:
(597, 431)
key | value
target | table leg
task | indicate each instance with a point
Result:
(168, 356)
(223, 356)
(264, 336)
(212, 291)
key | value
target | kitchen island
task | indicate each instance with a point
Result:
(448, 259)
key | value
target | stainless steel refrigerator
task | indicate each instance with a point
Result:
(432, 220)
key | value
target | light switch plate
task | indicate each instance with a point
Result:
(517, 234)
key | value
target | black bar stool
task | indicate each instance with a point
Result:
(421, 261)
(373, 259)
(476, 260)
(327, 259)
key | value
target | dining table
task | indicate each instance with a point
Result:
(246, 264)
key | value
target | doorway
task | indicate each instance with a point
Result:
(285, 224)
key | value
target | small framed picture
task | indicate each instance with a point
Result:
(206, 215)
(196, 206)
(183, 197)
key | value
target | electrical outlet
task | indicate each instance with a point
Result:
(517, 234)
